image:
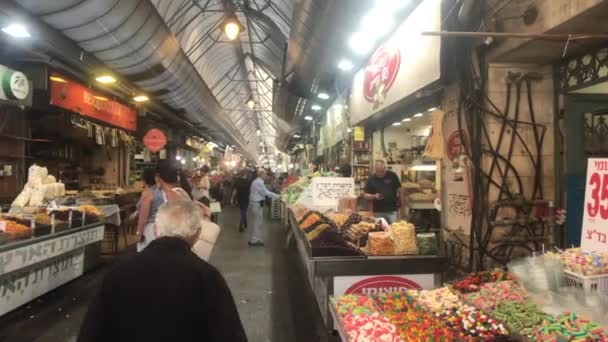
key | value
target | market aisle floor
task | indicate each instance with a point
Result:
(260, 280)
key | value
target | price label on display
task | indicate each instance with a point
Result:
(594, 233)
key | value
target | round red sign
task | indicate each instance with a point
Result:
(155, 140)
(381, 73)
(382, 284)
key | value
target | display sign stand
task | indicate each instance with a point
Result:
(594, 232)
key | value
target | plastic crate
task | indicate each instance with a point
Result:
(589, 283)
(275, 209)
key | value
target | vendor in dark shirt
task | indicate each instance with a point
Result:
(382, 187)
(345, 169)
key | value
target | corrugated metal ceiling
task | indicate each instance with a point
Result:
(133, 40)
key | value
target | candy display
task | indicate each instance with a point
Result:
(521, 317)
(374, 327)
(569, 327)
(437, 300)
(413, 322)
(582, 262)
(492, 294)
(355, 305)
(473, 281)
(404, 237)
(472, 324)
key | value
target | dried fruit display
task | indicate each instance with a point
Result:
(404, 237)
(17, 231)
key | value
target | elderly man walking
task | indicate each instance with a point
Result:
(166, 292)
(257, 197)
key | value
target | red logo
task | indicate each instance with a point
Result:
(457, 143)
(155, 140)
(381, 73)
(382, 284)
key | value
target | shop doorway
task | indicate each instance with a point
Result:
(586, 136)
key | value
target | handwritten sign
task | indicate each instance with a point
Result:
(18, 258)
(21, 287)
(594, 235)
(326, 191)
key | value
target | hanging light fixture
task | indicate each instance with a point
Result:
(251, 103)
(232, 27)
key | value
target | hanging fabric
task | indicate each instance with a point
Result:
(434, 145)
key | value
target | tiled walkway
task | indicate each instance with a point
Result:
(268, 292)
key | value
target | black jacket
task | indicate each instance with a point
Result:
(165, 293)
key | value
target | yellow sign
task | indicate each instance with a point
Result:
(359, 133)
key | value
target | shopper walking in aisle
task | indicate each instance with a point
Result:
(204, 184)
(147, 207)
(240, 196)
(169, 182)
(257, 197)
(382, 187)
(166, 292)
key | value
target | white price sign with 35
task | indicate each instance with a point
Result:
(594, 233)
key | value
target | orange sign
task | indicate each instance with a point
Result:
(77, 98)
(155, 140)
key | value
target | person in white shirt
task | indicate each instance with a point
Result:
(204, 184)
(257, 197)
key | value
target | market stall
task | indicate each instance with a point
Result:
(486, 306)
(46, 248)
(342, 251)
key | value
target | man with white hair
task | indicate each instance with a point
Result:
(166, 292)
(257, 197)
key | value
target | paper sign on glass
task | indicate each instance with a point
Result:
(594, 232)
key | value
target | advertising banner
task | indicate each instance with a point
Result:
(594, 235)
(404, 64)
(77, 98)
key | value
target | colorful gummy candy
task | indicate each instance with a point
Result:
(355, 305)
(492, 294)
(473, 325)
(414, 323)
(437, 300)
(370, 328)
(521, 317)
(569, 327)
(474, 281)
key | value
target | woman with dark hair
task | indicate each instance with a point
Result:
(147, 207)
(169, 183)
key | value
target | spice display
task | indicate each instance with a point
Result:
(473, 281)
(309, 219)
(338, 218)
(427, 243)
(569, 327)
(521, 317)
(317, 230)
(91, 210)
(404, 238)
(472, 324)
(380, 243)
(17, 231)
(413, 322)
(492, 294)
(437, 300)
(374, 327)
